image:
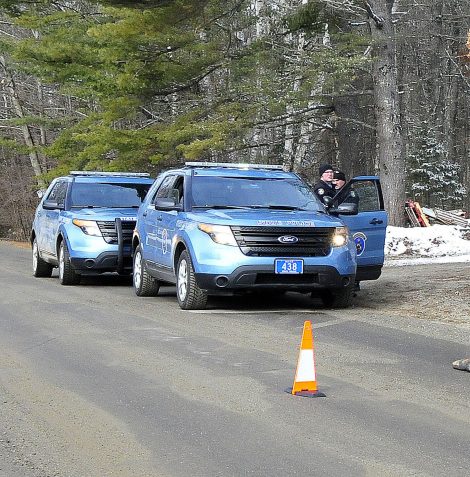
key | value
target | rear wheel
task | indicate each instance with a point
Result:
(67, 274)
(144, 284)
(341, 298)
(40, 267)
(189, 295)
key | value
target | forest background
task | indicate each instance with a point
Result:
(373, 87)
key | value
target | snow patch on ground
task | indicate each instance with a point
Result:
(421, 245)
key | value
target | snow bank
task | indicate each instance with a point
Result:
(437, 242)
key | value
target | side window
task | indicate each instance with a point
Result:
(368, 195)
(58, 193)
(171, 187)
(179, 186)
(164, 190)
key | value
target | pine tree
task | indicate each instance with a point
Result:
(433, 179)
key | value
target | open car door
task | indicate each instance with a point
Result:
(369, 226)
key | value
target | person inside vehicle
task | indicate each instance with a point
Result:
(350, 195)
(324, 187)
(339, 179)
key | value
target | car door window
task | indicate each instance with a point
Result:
(164, 190)
(179, 186)
(58, 193)
(365, 193)
(368, 195)
(171, 187)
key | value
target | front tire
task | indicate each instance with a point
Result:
(144, 284)
(189, 295)
(67, 274)
(40, 267)
(341, 298)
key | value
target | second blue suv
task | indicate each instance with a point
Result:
(212, 228)
(84, 224)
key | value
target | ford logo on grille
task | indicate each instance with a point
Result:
(288, 239)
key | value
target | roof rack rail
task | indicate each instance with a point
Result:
(235, 165)
(109, 174)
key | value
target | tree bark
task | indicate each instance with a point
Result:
(390, 153)
(18, 108)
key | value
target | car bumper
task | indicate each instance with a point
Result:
(263, 277)
(104, 262)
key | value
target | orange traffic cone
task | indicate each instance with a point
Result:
(305, 383)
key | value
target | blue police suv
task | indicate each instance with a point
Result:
(211, 228)
(84, 224)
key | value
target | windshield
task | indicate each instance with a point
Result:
(248, 192)
(101, 194)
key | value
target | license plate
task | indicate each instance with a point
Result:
(288, 266)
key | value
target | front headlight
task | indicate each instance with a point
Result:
(219, 233)
(89, 227)
(340, 237)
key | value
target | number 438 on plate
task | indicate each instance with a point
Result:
(289, 266)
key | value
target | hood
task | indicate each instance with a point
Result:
(104, 213)
(265, 217)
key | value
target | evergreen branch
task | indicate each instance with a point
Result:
(325, 108)
(230, 11)
(192, 82)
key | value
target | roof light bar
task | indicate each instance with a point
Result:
(109, 174)
(234, 165)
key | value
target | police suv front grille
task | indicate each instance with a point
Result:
(109, 232)
(264, 241)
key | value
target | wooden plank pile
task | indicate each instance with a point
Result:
(415, 214)
(422, 216)
(450, 218)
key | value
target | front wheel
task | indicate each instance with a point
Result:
(341, 298)
(144, 284)
(40, 267)
(189, 295)
(67, 274)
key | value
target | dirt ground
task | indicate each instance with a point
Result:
(438, 293)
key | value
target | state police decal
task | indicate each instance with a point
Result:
(360, 241)
(164, 241)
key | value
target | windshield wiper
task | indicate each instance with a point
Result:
(277, 207)
(221, 207)
(105, 206)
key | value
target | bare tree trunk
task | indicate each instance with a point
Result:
(389, 132)
(289, 134)
(306, 129)
(28, 138)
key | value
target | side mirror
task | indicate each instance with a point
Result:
(52, 205)
(328, 201)
(167, 203)
(346, 208)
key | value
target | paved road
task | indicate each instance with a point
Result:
(95, 381)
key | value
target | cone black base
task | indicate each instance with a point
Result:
(310, 394)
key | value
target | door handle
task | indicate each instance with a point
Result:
(144, 214)
(160, 218)
(376, 221)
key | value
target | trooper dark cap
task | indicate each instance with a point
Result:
(324, 167)
(339, 175)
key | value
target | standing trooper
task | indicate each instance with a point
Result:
(350, 195)
(324, 187)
